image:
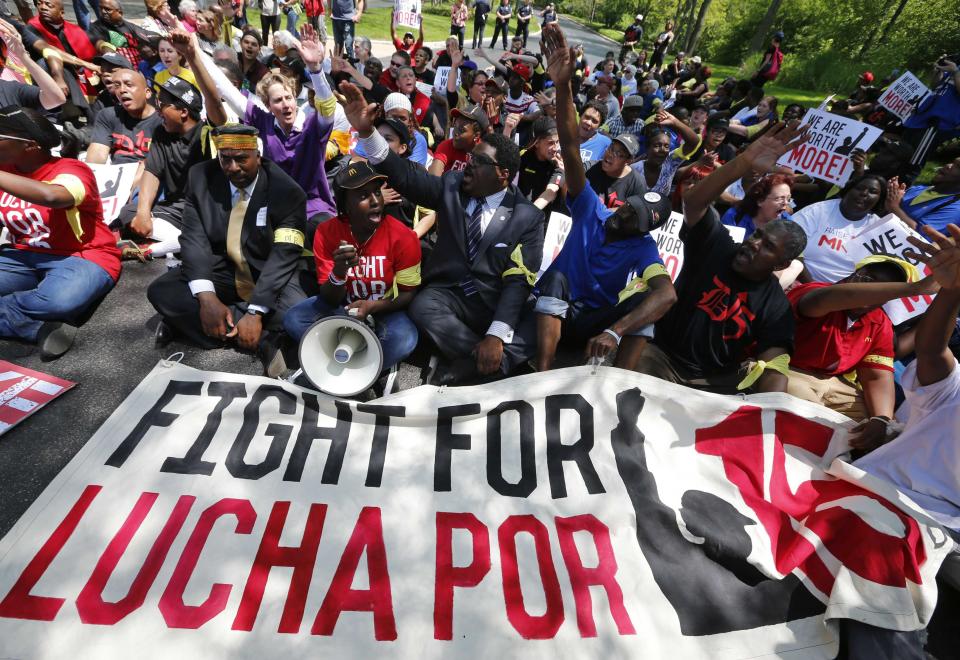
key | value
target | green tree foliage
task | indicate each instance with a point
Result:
(828, 42)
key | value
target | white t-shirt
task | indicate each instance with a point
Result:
(827, 256)
(924, 461)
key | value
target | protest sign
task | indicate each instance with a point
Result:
(25, 391)
(903, 95)
(406, 13)
(578, 513)
(115, 183)
(890, 237)
(440, 80)
(558, 228)
(826, 154)
(670, 246)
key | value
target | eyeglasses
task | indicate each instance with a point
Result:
(393, 64)
(479, 160)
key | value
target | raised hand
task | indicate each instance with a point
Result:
(895, 191)
(12, 40)
(456, 55)
(360, 114)
(560, 57)
(311, 50)
(764, 152)
(942, 256)
(184, 42)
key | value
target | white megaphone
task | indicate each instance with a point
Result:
(341, 356)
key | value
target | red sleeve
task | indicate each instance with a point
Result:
(798, 291)
(442, 153)
(881, 354)
(324, 243)
(406, 251)
(397, 44)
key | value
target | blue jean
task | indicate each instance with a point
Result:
(292, 18)
(83, 16)
(396, 332)
(37, 287)
(343, 35)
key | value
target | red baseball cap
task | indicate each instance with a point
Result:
(866, 76)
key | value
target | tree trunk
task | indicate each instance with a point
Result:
(683, 27)
(760, 36)
(698, 27)
(893, 20)
(872, 37)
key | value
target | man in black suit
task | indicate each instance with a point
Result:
(489, 247)
(240, 255)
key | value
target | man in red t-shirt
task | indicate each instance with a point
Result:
(454, 153)
(408, 45)
(367, 262)
(64, 258)
(841, 331)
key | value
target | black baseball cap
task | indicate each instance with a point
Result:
(356, 175)
(182, 94)
(28, 124)
(401, 130)
(116, 60)
(718, 123)
(476, 113)
(649, 203)
(629, 142)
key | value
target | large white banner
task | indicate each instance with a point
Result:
(826, 155)
(581, 513)
(903, 95)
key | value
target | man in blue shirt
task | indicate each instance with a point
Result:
(585, 294)
(935, 205)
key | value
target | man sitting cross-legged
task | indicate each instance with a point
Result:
(730, 306)
(240, 254)
(584, 294)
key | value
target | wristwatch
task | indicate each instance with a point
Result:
(254, 312)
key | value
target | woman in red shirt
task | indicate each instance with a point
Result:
(368, 264)
(63, 258)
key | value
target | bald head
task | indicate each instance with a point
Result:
(132, 91)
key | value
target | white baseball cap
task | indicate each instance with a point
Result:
(397, 100)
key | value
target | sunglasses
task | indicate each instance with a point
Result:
(479, 160)
(396, 64)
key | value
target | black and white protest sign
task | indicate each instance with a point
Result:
(826, 154)
(577, 513)
(905, 94)
(115, 183)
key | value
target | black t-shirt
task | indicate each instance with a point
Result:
(427, 75)
(480, 10)
(19, 94)
(536, 175)
(720, 318)
(171, 156)
(128, 137)
(614, 192)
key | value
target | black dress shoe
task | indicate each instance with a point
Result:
(55, 339)
(270, 352)
(461, 371)
(163, 334)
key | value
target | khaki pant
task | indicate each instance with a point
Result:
(832, 392)
(655, 362)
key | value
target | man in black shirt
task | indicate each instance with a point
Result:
(122, 134)
(612, 178)
(541, 170)
(176, 147)
(729, 306)
(524, 13)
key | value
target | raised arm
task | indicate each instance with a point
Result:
(560, 64)
(51, 96)
(850, 295)
(689, 136)
(761, 155)
(186, 45)
(222, 86)
(934, 359)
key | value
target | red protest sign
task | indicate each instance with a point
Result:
(24, 391)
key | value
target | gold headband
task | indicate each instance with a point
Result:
(233, 141)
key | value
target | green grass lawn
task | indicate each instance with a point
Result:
(375, 24)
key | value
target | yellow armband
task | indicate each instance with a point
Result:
(520, 269)
(780, 363)
(406, 277)
(50, 53)
(286, 235)
(639, 284)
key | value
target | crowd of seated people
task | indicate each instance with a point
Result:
(291, 184)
